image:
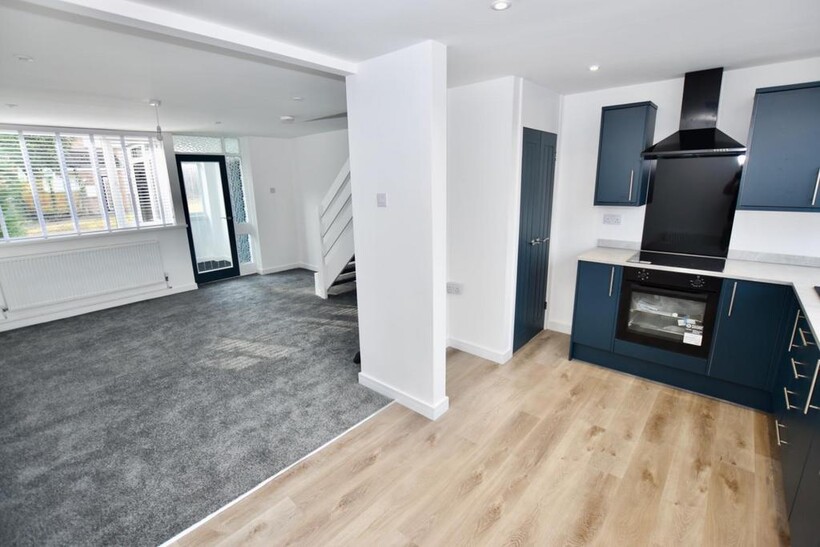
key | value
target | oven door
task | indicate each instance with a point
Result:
(668, 318)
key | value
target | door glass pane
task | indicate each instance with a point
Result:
(206, 208)
(671, 318)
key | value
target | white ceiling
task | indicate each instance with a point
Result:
(551, 42)
(84, 75)
(89, 73)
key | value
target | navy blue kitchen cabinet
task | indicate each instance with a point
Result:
(803, 521)
(596, 304)
(747, 332)
(782, 171)
(793, 397)
(626, 131)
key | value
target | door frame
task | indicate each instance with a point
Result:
(223, 273)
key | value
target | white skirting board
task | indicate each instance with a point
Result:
(431, 411)
(286, 267)
(46, 315)
(558, 326)
(480, 351)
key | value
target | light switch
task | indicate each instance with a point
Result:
(454, 288)
(612, 219)
(381, 200)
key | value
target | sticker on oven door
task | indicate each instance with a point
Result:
(693, 333)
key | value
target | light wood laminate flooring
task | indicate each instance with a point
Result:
(540, 451)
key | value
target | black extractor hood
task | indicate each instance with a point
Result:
(698, 135)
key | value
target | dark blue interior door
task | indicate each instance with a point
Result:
(537, 176)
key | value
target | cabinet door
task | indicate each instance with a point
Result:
(793, 435)
(782, 171)
(749, 323)
(622, 175)
(803, 521)
(596, 304)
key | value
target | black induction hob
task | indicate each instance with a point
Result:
(692, 262)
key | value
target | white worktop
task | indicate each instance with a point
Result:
(802, 278)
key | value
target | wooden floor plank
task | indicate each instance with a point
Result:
(540, 451)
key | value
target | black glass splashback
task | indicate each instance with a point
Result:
(691, 205)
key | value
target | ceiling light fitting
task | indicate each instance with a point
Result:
(593, 68)
(501, 5)
(156, 104)
(24, 58)
(297, 98)
(287, 119)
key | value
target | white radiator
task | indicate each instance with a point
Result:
(45, 279)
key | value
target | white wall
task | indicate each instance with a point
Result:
(397, 126)
(301, 170)
(268, 164)
(484, 148)
(577, 225)
(317, 161)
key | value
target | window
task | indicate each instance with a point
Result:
(71, 183)
(228, 147)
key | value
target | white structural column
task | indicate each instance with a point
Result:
(397, 106)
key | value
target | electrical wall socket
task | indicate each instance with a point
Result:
(381, 200)
(612, 219)
(454, 288)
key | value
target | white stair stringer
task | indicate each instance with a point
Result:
(335, 223)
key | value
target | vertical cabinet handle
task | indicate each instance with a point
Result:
(797, 375)
(794, 330)
(632, 178)
(777, 426)
(732, 301)
(816, 186)
(789, 405)
(806, 343)
(811, 390)
(611, 279)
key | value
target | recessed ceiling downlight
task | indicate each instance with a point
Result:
(286, 119)
(501, 5)
(24, 58)
(594, 68)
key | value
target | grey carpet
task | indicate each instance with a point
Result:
(126, 426)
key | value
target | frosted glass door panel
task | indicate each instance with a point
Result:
(207, 215)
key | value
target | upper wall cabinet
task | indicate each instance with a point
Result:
(782, 170)
(626, 131)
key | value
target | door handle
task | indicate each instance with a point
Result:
(536, 241)
(816, 187)
(544, 239)
(631, 179)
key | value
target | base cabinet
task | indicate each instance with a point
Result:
(803, 520)
(596, 304)
(749, 322)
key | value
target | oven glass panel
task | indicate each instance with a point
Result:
(676, 319)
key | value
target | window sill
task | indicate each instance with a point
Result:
(67, 238)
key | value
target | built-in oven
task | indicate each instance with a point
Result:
(668, 310)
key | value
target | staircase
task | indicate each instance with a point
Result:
(336, 271)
